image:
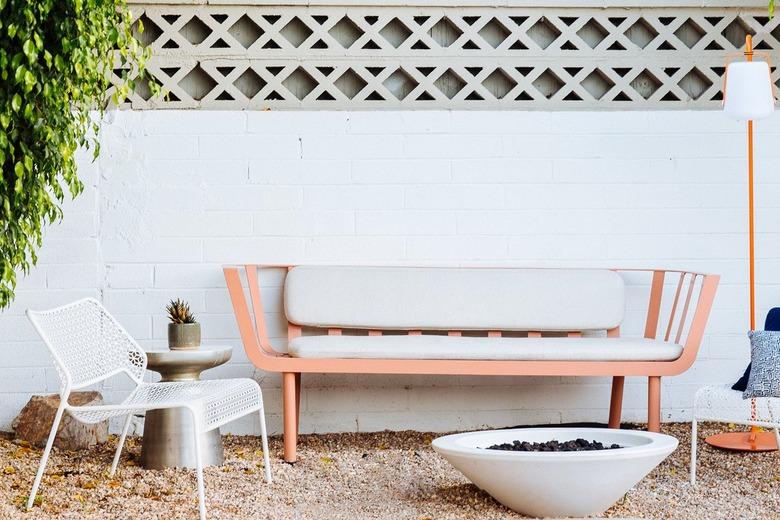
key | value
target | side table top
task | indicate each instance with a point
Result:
(186, 365)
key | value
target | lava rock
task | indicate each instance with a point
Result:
(573, 445)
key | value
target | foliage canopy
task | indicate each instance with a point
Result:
(56, 57)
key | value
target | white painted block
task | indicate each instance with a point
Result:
(315, 146)
(247, 146)
(294, 122)
(451, 146)
(192, 122)
(253, 198)
(72, 276)
(349, 250)
(297, 171)
(401, 171)
(502, 170)
(184, 276)
(168, 147)
(399, 122)
(303, 223)
(404, 223)
(128, 276)
(269, 250)
(151, 250)
(472, 196)
(352, 197)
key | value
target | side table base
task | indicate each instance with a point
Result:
(168, 441)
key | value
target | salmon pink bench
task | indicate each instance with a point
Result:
(473, 321)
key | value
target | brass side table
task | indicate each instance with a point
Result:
(168, 437)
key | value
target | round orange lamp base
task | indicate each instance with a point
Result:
(743, 441)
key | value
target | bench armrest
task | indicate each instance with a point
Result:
(254, 334)
(684, 324)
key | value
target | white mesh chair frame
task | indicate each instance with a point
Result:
(722, 404)
(88, 346)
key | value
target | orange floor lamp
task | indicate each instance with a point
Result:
(748, 96)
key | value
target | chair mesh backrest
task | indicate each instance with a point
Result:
(87, 343)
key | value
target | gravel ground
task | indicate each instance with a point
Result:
(388, 475)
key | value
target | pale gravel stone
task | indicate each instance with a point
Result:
(388, 475)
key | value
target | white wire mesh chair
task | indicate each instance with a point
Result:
(722, 404)
(88, 346)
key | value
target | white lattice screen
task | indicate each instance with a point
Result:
(361, 57)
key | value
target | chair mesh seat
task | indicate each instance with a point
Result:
(722, 404)
(220, 401)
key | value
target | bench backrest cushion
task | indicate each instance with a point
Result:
(433, 298)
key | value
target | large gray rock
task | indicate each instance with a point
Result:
(34, 422)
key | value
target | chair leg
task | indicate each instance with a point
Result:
(266, 457)
(654, 404)
(694, 442)
(199, 468)
(289, 402)
(777, 438)
(616, 401)
(122, 438)
(46, 451)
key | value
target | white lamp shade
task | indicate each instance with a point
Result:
(748, 91)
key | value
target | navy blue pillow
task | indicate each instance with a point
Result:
(741, 384)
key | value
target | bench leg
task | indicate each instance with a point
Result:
(616, 401)
(654, 403)
(297, 402)
(290, 405)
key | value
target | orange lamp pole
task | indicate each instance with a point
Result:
(755, 439)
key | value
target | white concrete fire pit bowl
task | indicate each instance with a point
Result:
(556, 484)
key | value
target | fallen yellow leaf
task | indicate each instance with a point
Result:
(327, 461)
(79, 497)
(21, 452)
(9, 470)
(89, 484)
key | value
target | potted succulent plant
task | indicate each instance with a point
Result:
(183, 330)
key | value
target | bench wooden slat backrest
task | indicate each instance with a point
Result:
(454, 299)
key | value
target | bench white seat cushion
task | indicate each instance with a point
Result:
(482, 348)
(433, 298)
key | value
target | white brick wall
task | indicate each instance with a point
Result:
(176, 194)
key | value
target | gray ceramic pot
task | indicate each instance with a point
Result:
(183, 336)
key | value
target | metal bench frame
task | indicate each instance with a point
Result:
(260, 351)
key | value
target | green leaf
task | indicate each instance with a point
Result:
(16, 102)
(28, 47)
(29, 81)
